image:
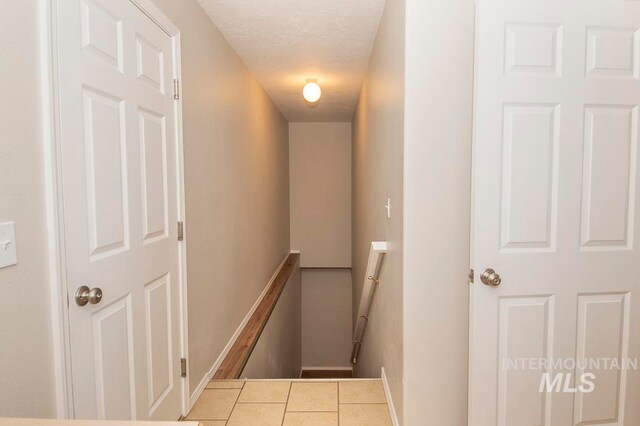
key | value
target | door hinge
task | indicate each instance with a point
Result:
(472, 276)
(183, 367)
(176, 89)
(180, 231)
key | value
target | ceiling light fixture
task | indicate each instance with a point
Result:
(312, 91)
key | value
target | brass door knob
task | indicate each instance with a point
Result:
(85, 295)
(490, 277)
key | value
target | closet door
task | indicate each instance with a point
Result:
(556, 213)
(119, 166)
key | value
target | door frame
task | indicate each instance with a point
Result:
(56, 250)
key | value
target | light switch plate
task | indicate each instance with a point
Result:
(8, 254)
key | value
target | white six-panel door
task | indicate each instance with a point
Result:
(120, 190)
(556, 209)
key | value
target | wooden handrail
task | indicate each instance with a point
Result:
(235, 361)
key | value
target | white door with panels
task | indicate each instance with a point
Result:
(120, 186)
(556, 222)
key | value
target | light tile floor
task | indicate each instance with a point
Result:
(292, 403)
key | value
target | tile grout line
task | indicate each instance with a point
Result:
(235, 402)
(261, 403)
(339, 403)
(363, 403)
(286, 405)
(226, 422)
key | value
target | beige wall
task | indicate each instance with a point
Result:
(277, 354)
(26, 360)
(237, 180)
(326, 317)
(438, 112)
(378, 175)
(320, 170)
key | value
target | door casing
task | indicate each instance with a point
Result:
(55, 217)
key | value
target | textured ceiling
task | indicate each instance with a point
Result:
(284, 42)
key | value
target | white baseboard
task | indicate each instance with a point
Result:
(201, 386)
(212, 371)
(387, 392)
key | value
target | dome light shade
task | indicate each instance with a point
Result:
(312, 92)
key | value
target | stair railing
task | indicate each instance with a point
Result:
(376, 253)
